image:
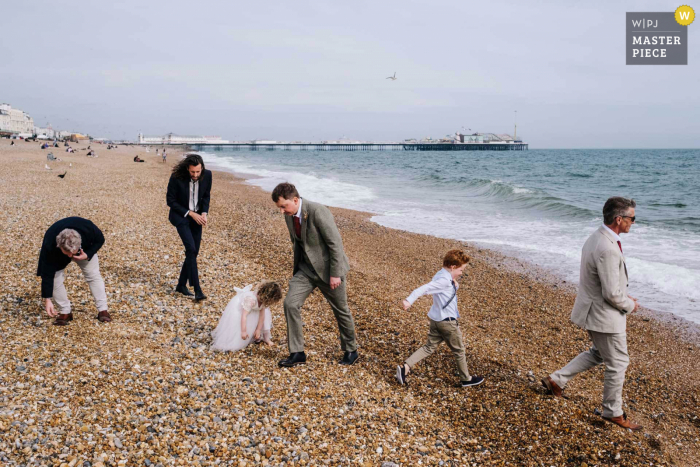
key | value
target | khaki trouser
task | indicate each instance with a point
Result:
(607, 348)
(91, 271)
(300, 287)
(449, 332)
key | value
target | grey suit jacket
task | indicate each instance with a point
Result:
(320, 240)
(602, 303)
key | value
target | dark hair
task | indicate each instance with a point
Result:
(181, 170)
(269, 293)
(284, 190)
(616, 206)
(455, 258)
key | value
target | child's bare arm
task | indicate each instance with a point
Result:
(261, 322)
(244, 333)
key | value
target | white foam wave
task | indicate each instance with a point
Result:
(666, 278)
(329, 191)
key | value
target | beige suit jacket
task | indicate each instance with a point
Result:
(602, 303)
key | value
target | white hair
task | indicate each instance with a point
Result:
(69, 240)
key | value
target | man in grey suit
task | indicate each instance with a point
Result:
(319, 262)
(601, 308)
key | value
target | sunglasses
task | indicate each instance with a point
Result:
(630, 217)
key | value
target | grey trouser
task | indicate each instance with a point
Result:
(300, 287)
(610, 349)
(91, 271)
(449, 332)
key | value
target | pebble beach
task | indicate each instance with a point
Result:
(146, 389)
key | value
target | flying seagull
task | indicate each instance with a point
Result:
(393, 78)
(63, 174)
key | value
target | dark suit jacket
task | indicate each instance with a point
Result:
(52, 259)
(321, 241)
(178, 197)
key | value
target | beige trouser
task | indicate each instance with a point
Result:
(300, 287)
(91, 271)
(607, 348)
(449, 332)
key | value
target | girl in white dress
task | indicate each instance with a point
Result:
(246, 317)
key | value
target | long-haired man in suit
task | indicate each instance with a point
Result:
(189, 189)
(601, 308)
(319, 262)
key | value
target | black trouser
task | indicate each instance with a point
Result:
(191, 234)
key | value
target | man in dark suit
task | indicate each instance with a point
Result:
(188, 198)
(319, 262)
(71, 239)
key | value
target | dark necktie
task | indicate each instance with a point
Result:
(297, 226)
(620, 245)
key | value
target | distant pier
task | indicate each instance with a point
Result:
(496, 146)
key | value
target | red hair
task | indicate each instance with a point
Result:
(455, 258)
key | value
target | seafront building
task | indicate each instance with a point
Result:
(45, 133)
(171, 138)
(15, 122)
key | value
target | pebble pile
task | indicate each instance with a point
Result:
(147, 390)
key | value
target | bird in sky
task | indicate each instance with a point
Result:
(63, 174)
(393, 78)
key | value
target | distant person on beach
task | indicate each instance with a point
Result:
(12, 143)
(164, 156)
(247, 317)
(601, 308)
(319, 262)
(71, 239)
(138, 159)
(443, 317)
(188, 196)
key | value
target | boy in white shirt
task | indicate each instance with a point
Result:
(443, 317)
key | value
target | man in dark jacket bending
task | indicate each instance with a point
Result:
(71, 239)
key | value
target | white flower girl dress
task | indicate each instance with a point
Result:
(227, 335)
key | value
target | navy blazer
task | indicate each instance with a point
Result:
(52, 259)
(178, 197)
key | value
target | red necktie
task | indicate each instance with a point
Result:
(620, 245)
(297, 226)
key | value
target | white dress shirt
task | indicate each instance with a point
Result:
(298, 214)
(194, 195)
(615, 236)
(442, 289)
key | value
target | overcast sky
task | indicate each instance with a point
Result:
(302, 70)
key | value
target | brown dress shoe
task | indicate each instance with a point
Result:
(103, 316)
(623, 422)
(62, 320)
(551, 387)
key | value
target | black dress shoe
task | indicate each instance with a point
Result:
(350, 358)
(183, 290)
(294, 359)
(199, 296)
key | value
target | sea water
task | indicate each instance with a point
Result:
(537, 205)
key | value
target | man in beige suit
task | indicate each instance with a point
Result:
(601, 308)
(319, 262)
